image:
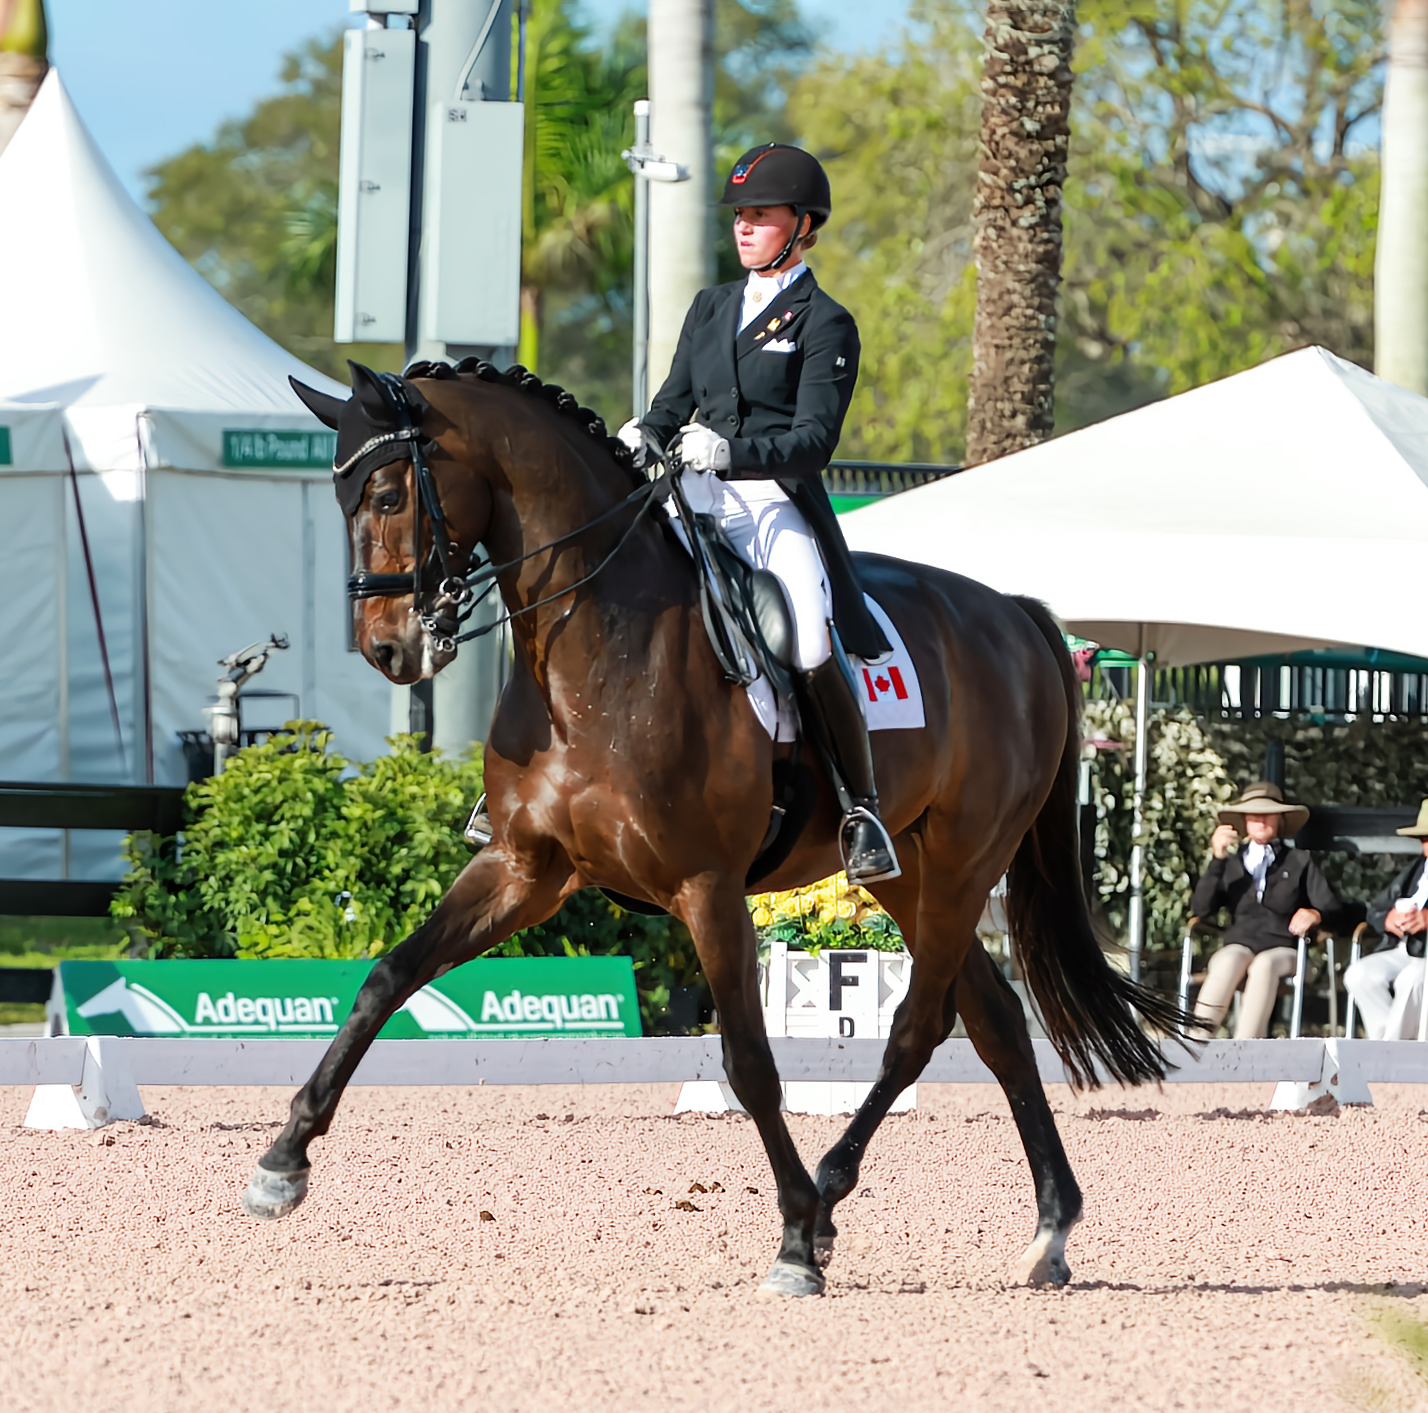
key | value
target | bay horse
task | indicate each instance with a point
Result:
(619, 756)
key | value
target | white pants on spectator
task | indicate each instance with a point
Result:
(1387, 987)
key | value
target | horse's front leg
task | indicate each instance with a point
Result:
(487, 903)
(728, 950)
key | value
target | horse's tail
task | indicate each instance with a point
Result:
(1089, 1008)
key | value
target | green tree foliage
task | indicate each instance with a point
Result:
(1223, 202)
(1220, 206)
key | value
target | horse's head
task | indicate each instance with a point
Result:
(409, 544)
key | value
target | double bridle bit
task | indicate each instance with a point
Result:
(456, 599)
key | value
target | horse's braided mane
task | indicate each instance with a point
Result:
(523, 380)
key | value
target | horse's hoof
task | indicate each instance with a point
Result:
(270, 1195)
(1043, 1263)
(791, 1281)
(823, 1245)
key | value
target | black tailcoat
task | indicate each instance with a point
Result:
(781, 412)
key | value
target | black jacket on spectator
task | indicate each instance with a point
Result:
(1292, 882)
(781, 412)
(1403, 886)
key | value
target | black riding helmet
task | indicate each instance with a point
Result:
(776, 174)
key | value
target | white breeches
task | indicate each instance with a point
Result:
(1387, 987)
(769, 531)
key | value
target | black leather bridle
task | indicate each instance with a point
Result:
(456, 598)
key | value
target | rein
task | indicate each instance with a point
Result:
(456, 599)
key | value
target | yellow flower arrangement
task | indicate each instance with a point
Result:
(826, 913)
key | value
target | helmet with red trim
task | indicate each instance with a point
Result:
(779, 175)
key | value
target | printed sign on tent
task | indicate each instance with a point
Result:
(506, 998)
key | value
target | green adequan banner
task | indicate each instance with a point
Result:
(498, 999)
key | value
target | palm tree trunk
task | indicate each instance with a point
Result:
(1026, 91)
(1400, 293)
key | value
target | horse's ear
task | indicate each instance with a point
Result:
(325, 408)
(370, 394)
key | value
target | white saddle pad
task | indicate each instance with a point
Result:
(891, 694)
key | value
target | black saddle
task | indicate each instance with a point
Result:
(745, 612)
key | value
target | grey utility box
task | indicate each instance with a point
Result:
(472, 290)
(374, 187)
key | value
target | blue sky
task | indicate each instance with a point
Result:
(153, 78)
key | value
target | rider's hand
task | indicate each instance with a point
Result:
(634, 438)
(1223, 840)
(703, 449)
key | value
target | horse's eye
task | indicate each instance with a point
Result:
(387, 500)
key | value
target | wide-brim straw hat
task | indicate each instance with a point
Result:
(1419, 830)
(1265, 797)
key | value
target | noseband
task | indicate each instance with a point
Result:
(456, 599)
(454, 602)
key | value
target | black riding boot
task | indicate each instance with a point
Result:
(835, 716)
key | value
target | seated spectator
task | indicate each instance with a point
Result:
(1387, 985)
(1274, 894)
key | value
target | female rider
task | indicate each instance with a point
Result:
(756, 396)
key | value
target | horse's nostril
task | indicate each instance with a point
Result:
(385, 653)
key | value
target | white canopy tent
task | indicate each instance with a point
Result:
(1268, 512)
(153, 460)
(1264, 513)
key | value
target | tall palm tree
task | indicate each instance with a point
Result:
(1401, 266)
(24, 45)
(1026, 91)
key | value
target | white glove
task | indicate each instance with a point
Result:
(634, 438)
(703, 449)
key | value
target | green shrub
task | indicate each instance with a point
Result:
(294, 852)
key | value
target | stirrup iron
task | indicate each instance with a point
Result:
(478, 831)
(867, 847)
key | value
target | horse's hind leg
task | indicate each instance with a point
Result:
(485, 905)
(996, 1024)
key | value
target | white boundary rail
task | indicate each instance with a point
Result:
(88, 1081)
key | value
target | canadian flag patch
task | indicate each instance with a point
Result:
(891, 695)
(884, 682)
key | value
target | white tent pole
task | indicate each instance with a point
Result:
(1136, 919)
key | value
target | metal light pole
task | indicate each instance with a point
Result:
(647, 166)
(1136, 920)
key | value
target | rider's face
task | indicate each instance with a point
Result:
(760, 232)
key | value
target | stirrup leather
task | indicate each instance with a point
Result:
(867, 847)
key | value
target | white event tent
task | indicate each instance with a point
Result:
(1282, 508)
(155, 463)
